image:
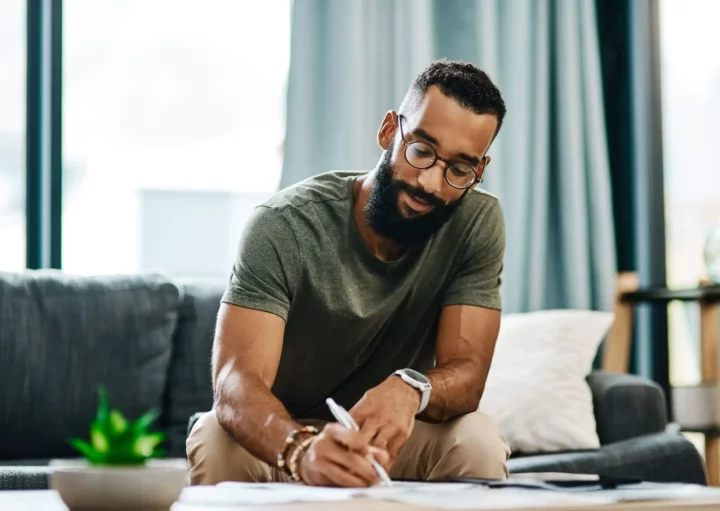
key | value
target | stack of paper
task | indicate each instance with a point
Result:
(434, 495)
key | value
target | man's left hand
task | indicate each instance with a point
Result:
(386, 414)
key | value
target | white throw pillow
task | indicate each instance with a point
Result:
(536, 390)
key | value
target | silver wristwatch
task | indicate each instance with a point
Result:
(418, 381)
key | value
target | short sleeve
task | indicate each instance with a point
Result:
(478, 276)
(266, 266)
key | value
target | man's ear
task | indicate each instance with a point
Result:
(485, 164)
(481, 170)
(387, 129)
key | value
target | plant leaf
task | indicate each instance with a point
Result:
(125, 457)
(98, 439)
(145, 444)
(118, 423)
(86, 450)
(103, 410)
(142, 424)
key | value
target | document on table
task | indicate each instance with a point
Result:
(233, 493)
(664, 492)
(438, 495)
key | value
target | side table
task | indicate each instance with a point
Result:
(706, 396)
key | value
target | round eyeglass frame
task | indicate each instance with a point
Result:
(437, 157)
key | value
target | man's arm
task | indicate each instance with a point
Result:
(465, 346)
(469, 321)
(245, 359)
(246, 355)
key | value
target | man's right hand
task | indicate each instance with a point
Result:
(339, 456)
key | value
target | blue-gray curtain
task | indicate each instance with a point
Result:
(353, 61)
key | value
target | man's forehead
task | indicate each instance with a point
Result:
(448, 122)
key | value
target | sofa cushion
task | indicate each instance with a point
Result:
(61, 337)
(536, 390)
(189, 385)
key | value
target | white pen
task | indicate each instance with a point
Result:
(344, 418)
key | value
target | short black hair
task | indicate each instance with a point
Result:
(471, 87)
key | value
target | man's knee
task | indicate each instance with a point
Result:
(214, 456)
(470, 446)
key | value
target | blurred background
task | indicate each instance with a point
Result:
(139, 135)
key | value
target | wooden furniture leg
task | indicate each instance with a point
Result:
(709, 370)
(616, 352)
(712, 455)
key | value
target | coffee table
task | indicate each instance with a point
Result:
(48, 500)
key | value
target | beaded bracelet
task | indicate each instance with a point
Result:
(295, 455)
(290, 440)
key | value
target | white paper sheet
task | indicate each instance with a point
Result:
(442, 495)
(438, 495)
(666, 492)
(278, 494)
(506, 498)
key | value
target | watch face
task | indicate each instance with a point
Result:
(419, 377)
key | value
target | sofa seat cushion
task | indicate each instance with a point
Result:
(61, 337)
(24, 478)
(660, 457)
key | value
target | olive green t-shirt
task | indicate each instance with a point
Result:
(351, 318)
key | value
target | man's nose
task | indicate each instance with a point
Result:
(431, 179)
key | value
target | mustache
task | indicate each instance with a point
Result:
(420, 194)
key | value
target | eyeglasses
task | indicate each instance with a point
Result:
(422, 155)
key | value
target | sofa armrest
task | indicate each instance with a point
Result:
(660, 457)
(24, 477)
(626, 406)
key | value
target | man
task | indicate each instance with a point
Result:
(348, 277)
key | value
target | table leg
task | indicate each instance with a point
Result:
(712, 459)
(709, 361)
(616, 351)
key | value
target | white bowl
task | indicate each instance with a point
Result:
(154, 485)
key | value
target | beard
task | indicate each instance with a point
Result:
(382, 210)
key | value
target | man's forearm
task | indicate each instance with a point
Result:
(253, 416)
(456, 390)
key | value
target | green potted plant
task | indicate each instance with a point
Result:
(116, 441)
(120, 464)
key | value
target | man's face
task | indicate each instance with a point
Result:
(408, 205)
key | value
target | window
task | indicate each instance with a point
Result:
(173, 130)
(691, 126)
(12, 135)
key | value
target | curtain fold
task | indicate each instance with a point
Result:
(350, 63)
(353, 61)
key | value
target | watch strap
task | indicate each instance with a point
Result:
(424, 390)
(424, 400)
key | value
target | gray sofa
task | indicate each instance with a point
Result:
(148, 338)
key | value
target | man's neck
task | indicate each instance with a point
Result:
(383, 248)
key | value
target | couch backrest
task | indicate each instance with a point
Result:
(189, 385)
(63, 336)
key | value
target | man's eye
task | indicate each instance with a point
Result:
(461, 170)
(422, 152)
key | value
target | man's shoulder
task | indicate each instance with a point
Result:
(479, 203)
(293, 212)
(479, 219)
(327, 187)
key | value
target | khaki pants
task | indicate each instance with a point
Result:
(470, 445)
